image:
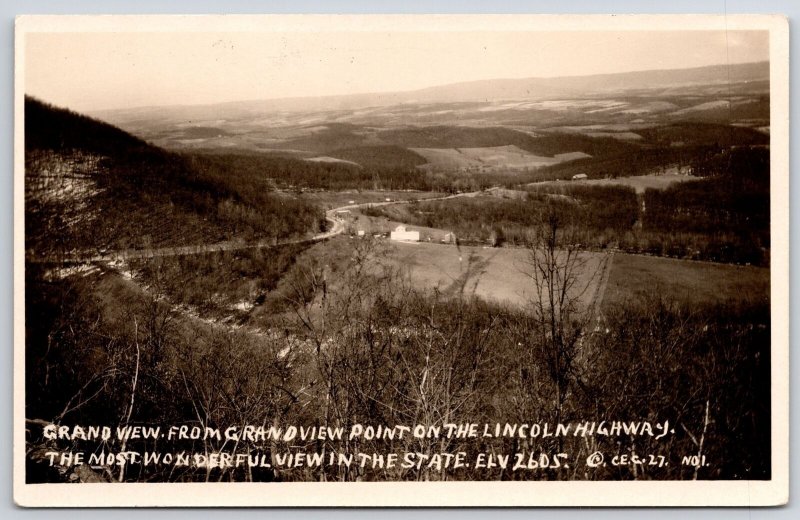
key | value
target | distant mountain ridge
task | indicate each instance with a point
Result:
(539, 88)
(533, 89)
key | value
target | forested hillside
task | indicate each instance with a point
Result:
(92, 186)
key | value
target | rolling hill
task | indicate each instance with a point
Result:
(543, 116)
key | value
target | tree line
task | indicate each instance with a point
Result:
(291, 173)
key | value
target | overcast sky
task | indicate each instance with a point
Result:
(93, 71)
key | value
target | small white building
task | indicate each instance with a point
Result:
(403, 235)
(579, 177)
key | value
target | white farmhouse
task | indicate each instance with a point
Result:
(579, 177)
(402, 235)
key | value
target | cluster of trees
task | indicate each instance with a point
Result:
(688, 147)
(725, 217)
(747, 166)
(381, 157)
(138, 190)
(215, 283)
(379, 352)
(703, 134)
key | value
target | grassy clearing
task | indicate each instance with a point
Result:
(640, 183)
(496, 274)
(493, 274)
(219, 284)
(324, 158)
(692, 283)
(490, 158)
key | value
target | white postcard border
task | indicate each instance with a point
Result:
(615, 493)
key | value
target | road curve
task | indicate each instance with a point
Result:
(337, 228)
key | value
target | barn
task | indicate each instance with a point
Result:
(403, 235)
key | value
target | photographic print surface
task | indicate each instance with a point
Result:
(279, 258)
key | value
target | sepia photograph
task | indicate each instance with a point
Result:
(401, 260)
